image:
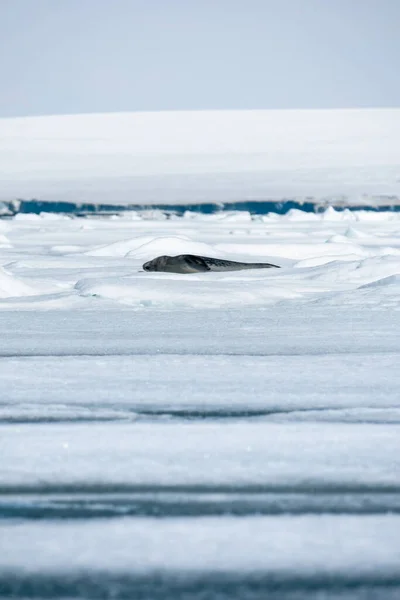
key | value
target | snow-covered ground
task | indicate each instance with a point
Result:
(217, 435)
(215, 156)
(328, 259)
(220, 435)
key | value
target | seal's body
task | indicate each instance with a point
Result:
(191, 263)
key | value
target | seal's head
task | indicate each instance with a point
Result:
(148, 266)
(156, 264)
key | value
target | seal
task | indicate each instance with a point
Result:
(191, 263)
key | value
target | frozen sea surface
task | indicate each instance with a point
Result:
(211, 436)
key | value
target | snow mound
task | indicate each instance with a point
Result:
(351, 232)
(145, 247)
(120, 248)
(294, 251)
(166, 290)
(356, 273)
(4, 241)
(378, 289)
(63, 249)
(171, 246)
(330, 214)
(10, 286)
(294, 214)
(390, 280)
(324, 260)
(27, 217)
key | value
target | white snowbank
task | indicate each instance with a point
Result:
(200, 291)
(146, 247)
(10, 286)
(296, 251)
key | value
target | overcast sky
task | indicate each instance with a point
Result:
(73, 56)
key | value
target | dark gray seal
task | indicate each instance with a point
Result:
(190, 263)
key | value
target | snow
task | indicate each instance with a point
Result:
(315, 455)
(10, 286)
(87, 261)
(187, 157)
(144, 247)
(305, 546)
(235, 434)
(282, 383)
(253, 406)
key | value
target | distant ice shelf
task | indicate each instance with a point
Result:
(204, 157)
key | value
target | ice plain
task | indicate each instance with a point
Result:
(251, 420)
